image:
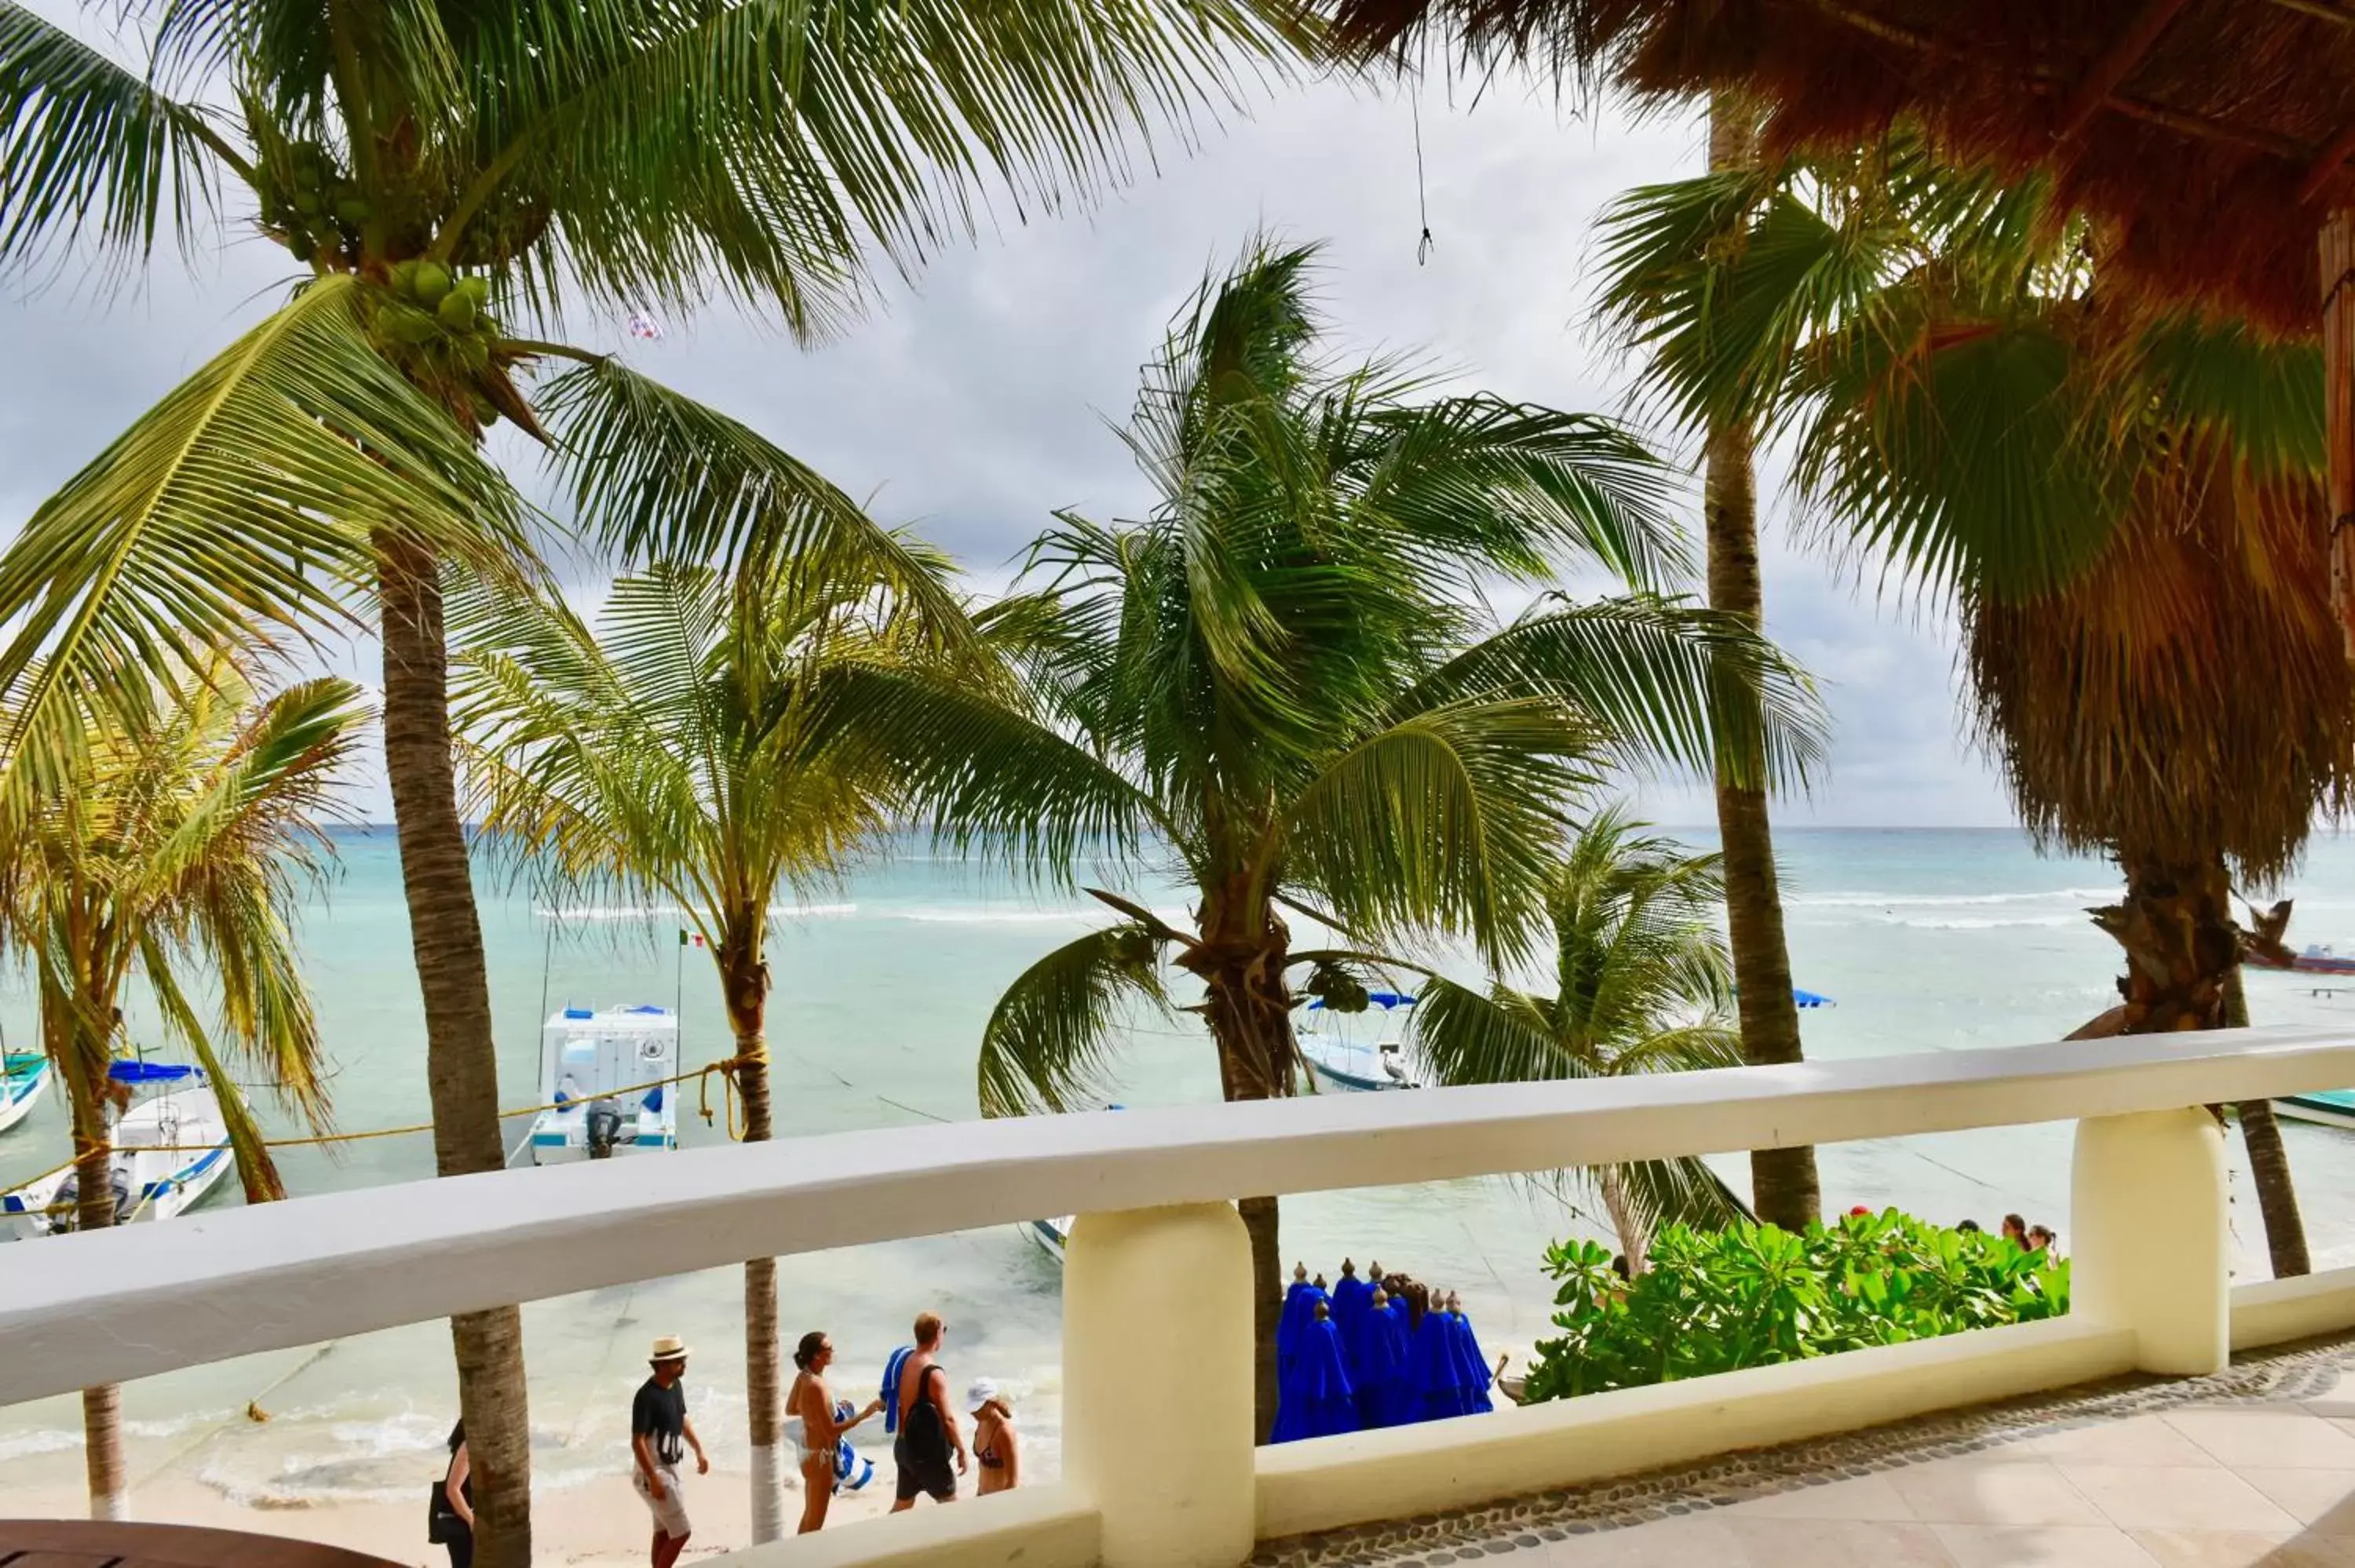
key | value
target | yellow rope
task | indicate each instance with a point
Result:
(727, 1069)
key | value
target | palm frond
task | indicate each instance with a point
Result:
(1445, 821)
(92, 152)
(243, 507)
(1049, 1039)
(1505, 1036)
(1659, 683)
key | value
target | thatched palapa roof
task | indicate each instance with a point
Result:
(2212, 136)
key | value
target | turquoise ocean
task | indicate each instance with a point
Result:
(1929, 940)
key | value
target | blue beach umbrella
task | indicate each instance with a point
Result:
(1471, 1361)
(1437, 1368)
(1312, 1396)
(1380, 1367)
(1300, 1304)
(1351, 1298)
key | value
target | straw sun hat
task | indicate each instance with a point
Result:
(669, 1348)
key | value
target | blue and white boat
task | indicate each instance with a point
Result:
(1338, 1058)
(22, 1078)
(594, 1065)
(2332, 1108)
(171, 1149)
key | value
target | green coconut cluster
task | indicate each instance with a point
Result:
(437, 320)
(310, 201)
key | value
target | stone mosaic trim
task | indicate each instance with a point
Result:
(2278, 1374)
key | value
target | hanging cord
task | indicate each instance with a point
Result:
(1422, 246)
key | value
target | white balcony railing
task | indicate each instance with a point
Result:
(1159, 1467)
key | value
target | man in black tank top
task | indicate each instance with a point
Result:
(928, 1423)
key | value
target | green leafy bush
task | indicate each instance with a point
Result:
(1751, 1295)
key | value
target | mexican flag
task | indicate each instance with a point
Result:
(691, 938)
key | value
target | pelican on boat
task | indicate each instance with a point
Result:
(23, 1076)
(170, 1148)
(594, 1068)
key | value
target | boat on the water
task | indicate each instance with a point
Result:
(171, 1149)
(594, 1065)
(23, 1076)
(2317, 959)
(1051, 1237)
(1335, 1058)
(2332, 1108)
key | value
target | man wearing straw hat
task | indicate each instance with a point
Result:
(660, 1434)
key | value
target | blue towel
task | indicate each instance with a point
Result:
(891, 1389)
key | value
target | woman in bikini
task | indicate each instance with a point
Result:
(810, 1422)
(997, 1447)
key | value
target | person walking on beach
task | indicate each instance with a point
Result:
(997, 1447)
(928, 1423)
(811, 1421)
(660, 1434)
(453, 1525)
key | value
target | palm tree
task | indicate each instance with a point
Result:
(1643, 983)
(687, 745)
(1286, 681)
(178, 847)
(440, 172)
(2123, 509)
(1783, 1181)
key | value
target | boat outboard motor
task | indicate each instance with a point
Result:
(65, 1214)
(605, 1129)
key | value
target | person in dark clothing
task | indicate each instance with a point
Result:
(660, 1434)
(456, 1526)
(928, 1423)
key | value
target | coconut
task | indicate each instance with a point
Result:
(476, 286)
(432, 282)
(457, 311)
(407, 324)
(404, 278)
(352, 210)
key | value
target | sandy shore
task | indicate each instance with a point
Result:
(593, 1525)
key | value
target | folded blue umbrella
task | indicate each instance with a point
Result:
(1380, 1367)
(1351, 1298)
(1438, 1369)
(1300, 1304)
(1474, 1364)
(1312, 1396)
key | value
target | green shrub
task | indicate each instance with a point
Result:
(1751, 1295)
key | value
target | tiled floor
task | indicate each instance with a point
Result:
(2240, 1480)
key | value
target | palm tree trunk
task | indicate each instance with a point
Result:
(462, 1067)
(1783, 1185)
(2183, 958)
(2268, 1160)
(745, 978)
(1242, 965)
(2338, 270)
(101, 1407)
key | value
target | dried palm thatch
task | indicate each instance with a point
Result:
(2212, 136)
(2184, 697)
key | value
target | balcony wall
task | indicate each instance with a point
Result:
(1159, 1464)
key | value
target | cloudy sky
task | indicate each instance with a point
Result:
(976, 399)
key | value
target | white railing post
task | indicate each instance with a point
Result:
(2152, 1250)
(1157, 1383)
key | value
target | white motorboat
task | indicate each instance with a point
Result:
(1050, 1235)
(171, 1149)
(594, 1065)
(1340, 1060)
(22, 1079)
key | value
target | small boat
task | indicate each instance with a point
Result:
(1050, 1235)
(2317, 959)
(2332, 1108)
(171, 1149)
(23, 1076)
(1360, 1066)
(593, 1066)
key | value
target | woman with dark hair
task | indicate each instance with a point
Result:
(816, 1424)
(454, 1528)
